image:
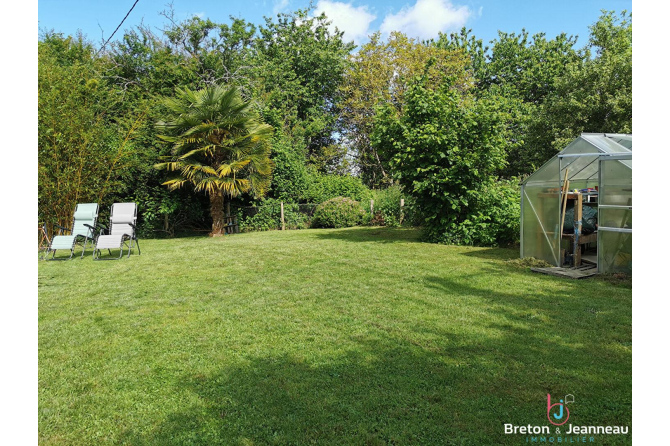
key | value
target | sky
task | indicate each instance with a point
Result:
(422, 19)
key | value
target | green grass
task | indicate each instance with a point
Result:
(354, 336)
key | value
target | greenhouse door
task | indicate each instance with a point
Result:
(615, 212)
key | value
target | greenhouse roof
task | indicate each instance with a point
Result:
(581, 156)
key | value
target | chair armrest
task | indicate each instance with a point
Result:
(94, 230)
(62, 228)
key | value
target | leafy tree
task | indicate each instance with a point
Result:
(530, 65)
(594, 94)
(298, 69)
(518, 72)
(218, 145)
(474, 50)
(445, 152)
(379, 74)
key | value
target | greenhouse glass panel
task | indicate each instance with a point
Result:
(579, 168)
(616, 182)
(579, 145)
(547, 173)
(607, 144)
(615, 218)
(615, 252)
(597, 161)
(540, 220)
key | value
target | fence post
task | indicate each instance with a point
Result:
(402, 206)
(283, 227)
(372, 207)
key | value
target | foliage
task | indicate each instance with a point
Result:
(97, 140)
(218, 145)
(445, 151)
(322, 187)
(518, 71)
(268, 217)
(82, 151)
(387, 207)
(498, 216)
(290, 178)
(594, 94)
(379, 74)
(529, 65)
(299, 64)
(339, 212)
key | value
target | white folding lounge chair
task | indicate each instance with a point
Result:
(122, 232)
(83, 229)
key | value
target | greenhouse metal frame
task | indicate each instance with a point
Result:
(594, 162)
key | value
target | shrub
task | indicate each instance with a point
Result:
(290, 176)
(339, 212)
(501, 202)
(495, 218)
(268, 217)
(324, 187)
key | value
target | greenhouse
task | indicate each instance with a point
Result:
(578, 206)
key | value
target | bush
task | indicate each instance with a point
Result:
(495, 219)
(387, 208)
(268, 217)
(324, 187)
(502, 202)
(339, 212)
(290, 176)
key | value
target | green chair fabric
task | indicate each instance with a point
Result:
(85, 220)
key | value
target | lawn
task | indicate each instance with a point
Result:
(351, 336)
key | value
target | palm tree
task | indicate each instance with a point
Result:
(219, 146)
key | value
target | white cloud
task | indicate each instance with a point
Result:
(279, 6)
(354, 21)
(426, 19)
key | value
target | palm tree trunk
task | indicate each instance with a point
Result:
(216, 211)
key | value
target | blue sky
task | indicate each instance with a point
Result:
(358, 18)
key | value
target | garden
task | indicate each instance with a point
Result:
(329, 236)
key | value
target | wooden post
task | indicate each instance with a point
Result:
(577, 249)
(372, 207)
(564, 202)
(283, 227)
(402, 205)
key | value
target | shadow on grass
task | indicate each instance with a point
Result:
(420, 384)
(494, 253)
(372, 234)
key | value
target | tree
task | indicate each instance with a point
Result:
(445, 152)
(298, 69)
(218, 145)
(379, 74)
(595, 94)
(519, 71)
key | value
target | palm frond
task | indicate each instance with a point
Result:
(218, 142)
